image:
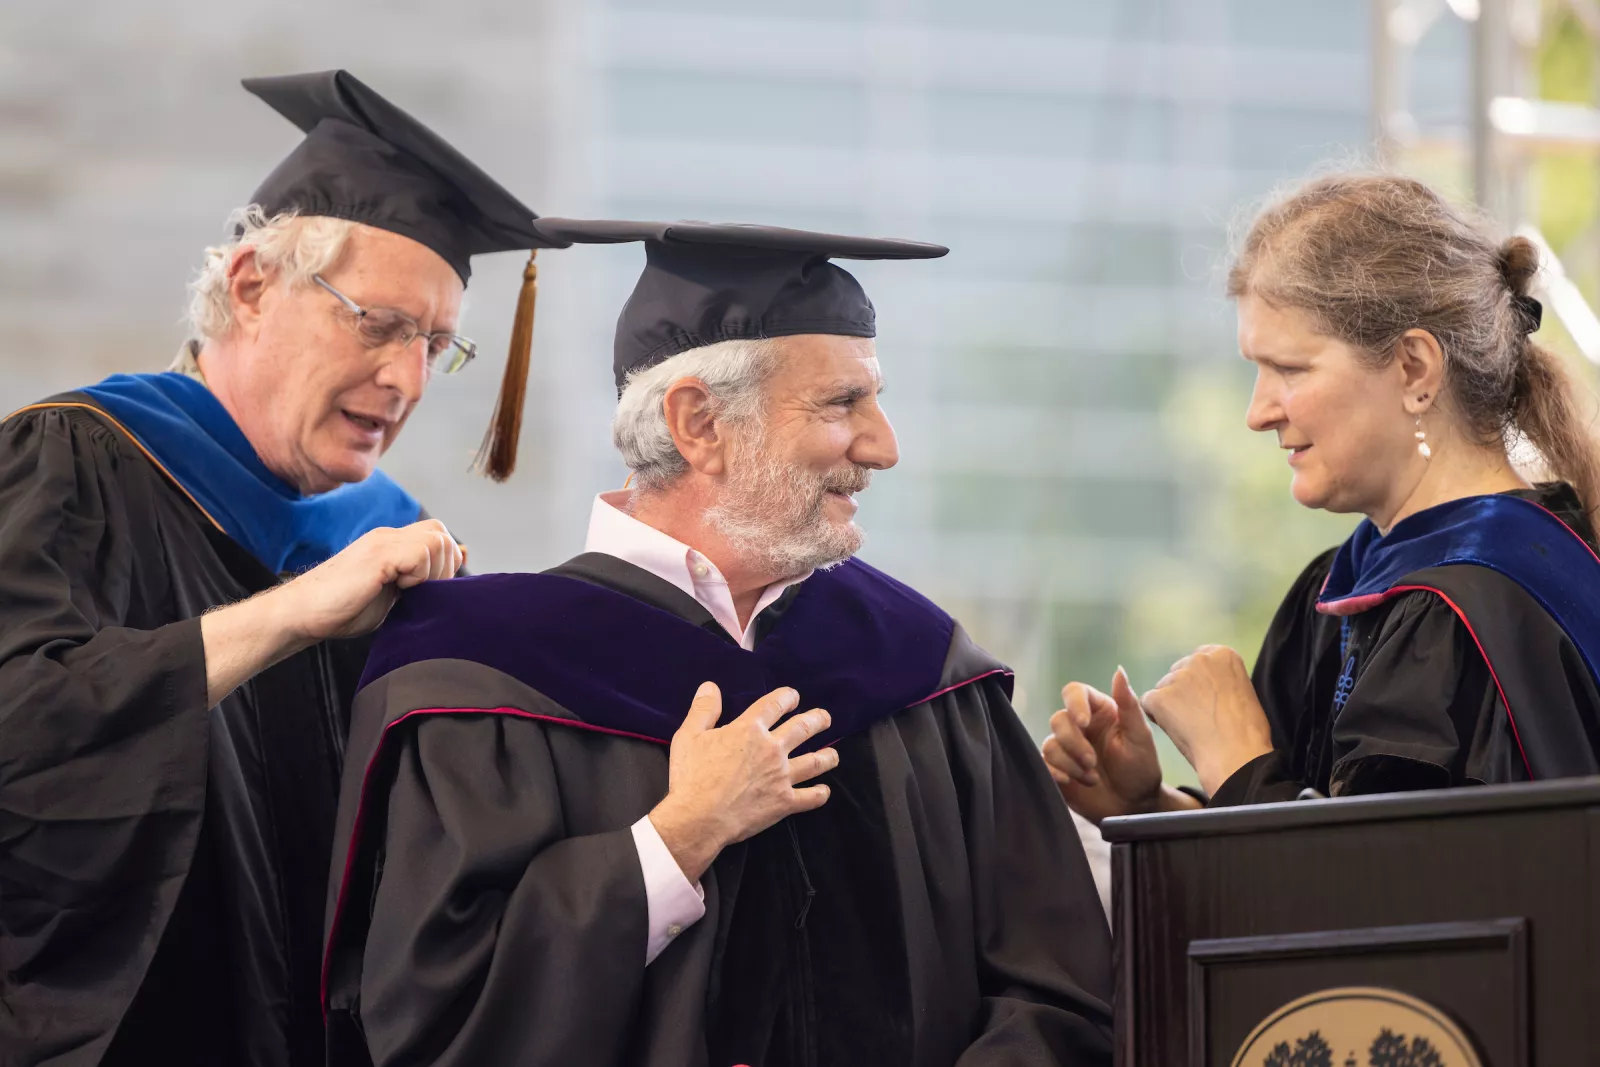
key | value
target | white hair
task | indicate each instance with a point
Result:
(295, 246)
(734, 372)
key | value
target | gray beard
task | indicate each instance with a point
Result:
(772, 513)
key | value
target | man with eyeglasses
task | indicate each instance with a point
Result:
(185, 560)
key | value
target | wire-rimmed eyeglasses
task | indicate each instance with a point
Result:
(447, 352)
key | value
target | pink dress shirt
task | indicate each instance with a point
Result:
(673, 903)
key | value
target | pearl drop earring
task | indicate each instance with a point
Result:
(1422, 441)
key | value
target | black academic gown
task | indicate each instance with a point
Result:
(936, 911)
(1418, 707)
(161, 864)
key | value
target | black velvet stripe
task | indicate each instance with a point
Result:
(814, 971)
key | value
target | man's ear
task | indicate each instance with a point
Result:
(688, 407)
(247, 285)
(1420, 359)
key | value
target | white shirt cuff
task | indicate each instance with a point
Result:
(673, 904)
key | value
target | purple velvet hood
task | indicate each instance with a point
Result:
(854, 641)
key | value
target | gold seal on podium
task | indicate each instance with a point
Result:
(1357, 1026)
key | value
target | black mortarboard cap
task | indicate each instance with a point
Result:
(365, 160)
(707, 282)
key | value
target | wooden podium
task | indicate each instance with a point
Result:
(1461, 925)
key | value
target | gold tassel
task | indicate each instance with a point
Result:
(497, 455)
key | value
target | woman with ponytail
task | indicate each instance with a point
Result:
(1454, 638)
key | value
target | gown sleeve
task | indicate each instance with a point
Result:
(103, 723)
(1044, 954)
(1424, 713)
(1290, 657)
(495, 937)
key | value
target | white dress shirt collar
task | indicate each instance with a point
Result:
(616, 533)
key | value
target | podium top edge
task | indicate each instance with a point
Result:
(1376, 807)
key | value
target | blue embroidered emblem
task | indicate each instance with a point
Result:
(1347, 678)
(1347, 682)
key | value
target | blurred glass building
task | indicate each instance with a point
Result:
(1076, 483)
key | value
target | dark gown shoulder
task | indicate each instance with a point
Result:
(1561, 499)
(609, 572)
(155, 855)
(1402, 697)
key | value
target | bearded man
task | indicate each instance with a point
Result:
(546, 862)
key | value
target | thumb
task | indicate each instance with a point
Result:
(1129, 713)
(704, 710)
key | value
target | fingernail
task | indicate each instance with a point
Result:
(789, 697)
